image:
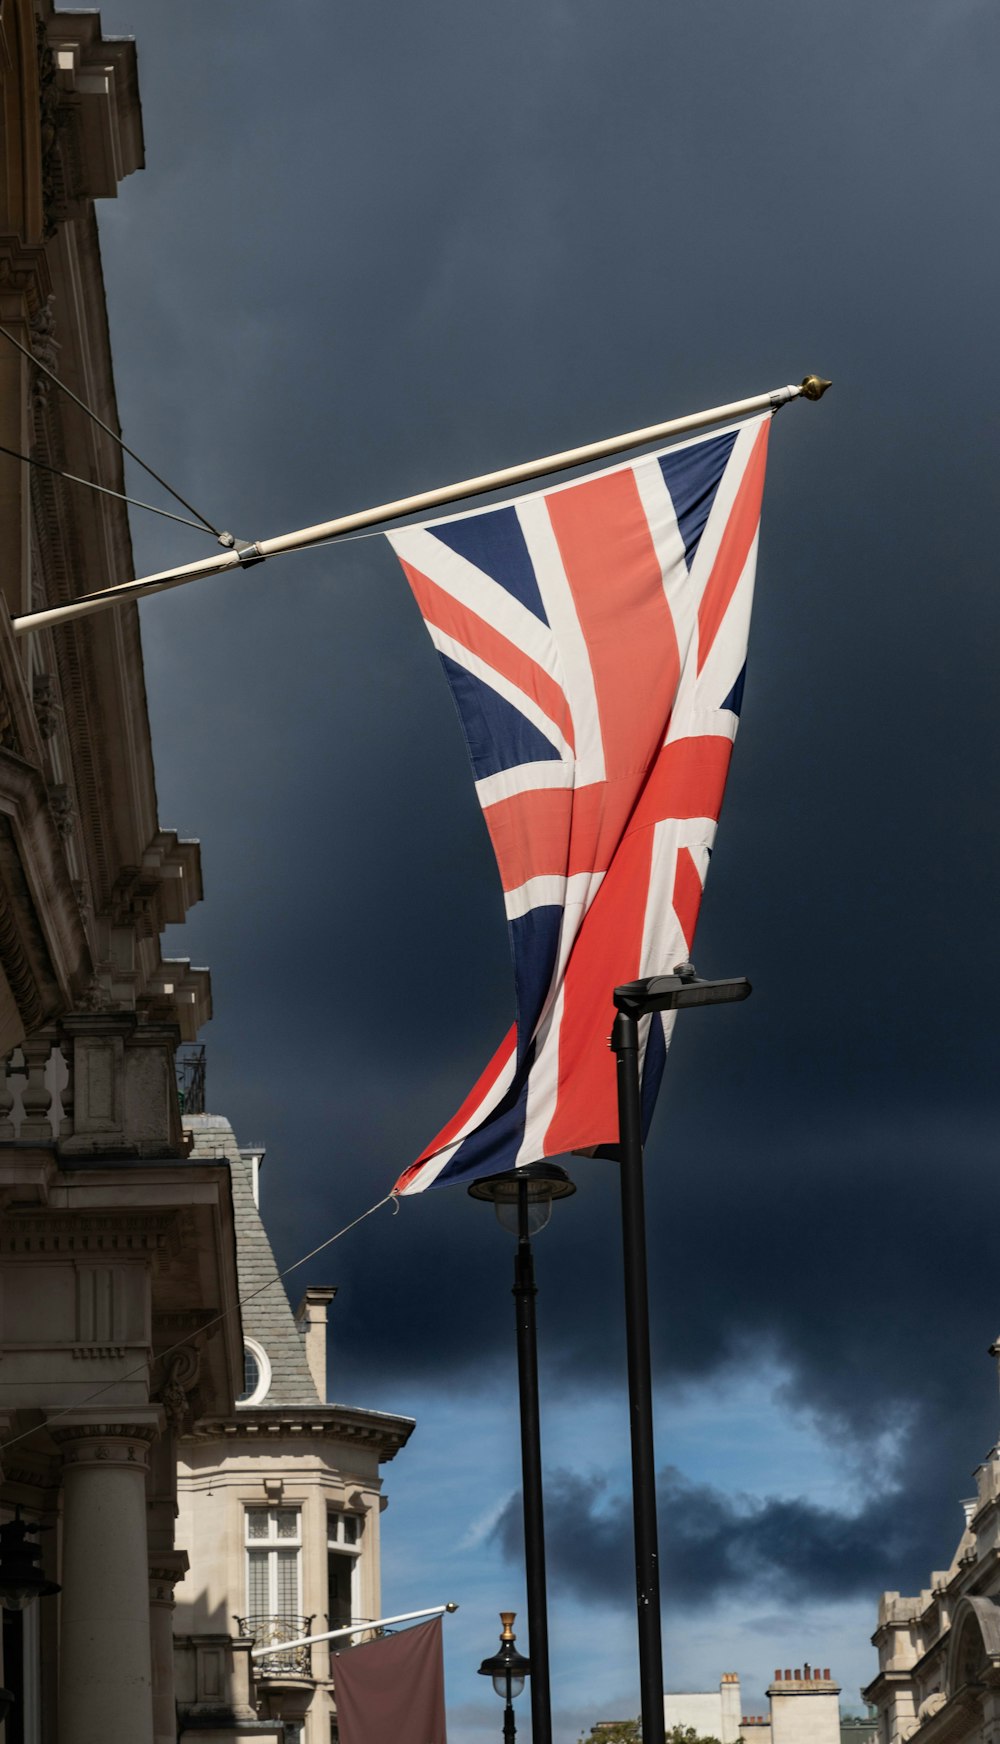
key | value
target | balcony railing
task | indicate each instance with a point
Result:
(271, 1632)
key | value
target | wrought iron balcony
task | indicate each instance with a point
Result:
(266, 1631)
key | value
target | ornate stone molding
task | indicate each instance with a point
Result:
(105, 1444)
(165, 1570)
(48, 103)
(122, 1233)
(375, 1430)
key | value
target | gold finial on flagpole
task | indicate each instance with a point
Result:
(814, 386)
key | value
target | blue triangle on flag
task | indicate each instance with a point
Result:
(497, 733)
(692, 477)
(494, 542)
(734, 700)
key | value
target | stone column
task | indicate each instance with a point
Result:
(105, 1673)
(164, 1572)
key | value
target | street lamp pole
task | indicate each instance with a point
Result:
(525, 1291)
(632, 1001)
(522, 1199)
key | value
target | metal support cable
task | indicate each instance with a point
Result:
(223, 538)
(105, 490)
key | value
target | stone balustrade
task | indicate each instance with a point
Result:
(36, 1091)
(94, 1085)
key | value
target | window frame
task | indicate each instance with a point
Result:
(272, 1546)
(337, 1545)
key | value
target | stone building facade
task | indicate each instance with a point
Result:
(118, 1289)
(280, 1496)
(121, 1348)
(939, 1650)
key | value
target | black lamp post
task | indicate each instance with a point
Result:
(522, 1199)
(508, 1669)
(634, 1000)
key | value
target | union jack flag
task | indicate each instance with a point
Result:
(594, 636)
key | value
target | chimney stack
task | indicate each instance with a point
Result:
(311, 1317)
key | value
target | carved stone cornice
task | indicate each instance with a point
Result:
(375, 1430)
(124, 1234)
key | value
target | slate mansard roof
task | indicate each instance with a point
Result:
(268, 1317)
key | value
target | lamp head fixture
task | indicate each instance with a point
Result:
(534, 1187)
(508, 1668)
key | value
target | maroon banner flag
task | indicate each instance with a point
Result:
(392, 1691)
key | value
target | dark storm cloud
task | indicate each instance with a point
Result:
(379, 247)
(717, 1545)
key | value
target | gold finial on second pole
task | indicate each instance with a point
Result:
(814, 386)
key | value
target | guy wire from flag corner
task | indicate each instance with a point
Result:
(594, 636)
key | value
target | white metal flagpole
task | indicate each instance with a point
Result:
(812, 387)
(354, 1629)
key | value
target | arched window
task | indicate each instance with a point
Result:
(256, 1373)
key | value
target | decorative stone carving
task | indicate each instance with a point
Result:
(96, 996)
(62, 809)
(182, 1372)
(45, 348)
(48, 708)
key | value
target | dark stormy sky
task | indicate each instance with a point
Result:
(382, 246)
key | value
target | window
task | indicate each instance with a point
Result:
(256, 1373)
(343, 1558)
(274, 1551)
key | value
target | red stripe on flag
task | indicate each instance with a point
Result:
(607, 952)
(530, 833)
(687, 781)
(617, 585)
(734, 547)
(473, 632)
(687, 894)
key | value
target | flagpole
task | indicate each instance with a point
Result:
(352, 1629)
(812, 387)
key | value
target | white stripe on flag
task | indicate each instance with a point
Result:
(576, 676)
(553, 890)
(488, 675)
(524, 779)
(478, 593)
